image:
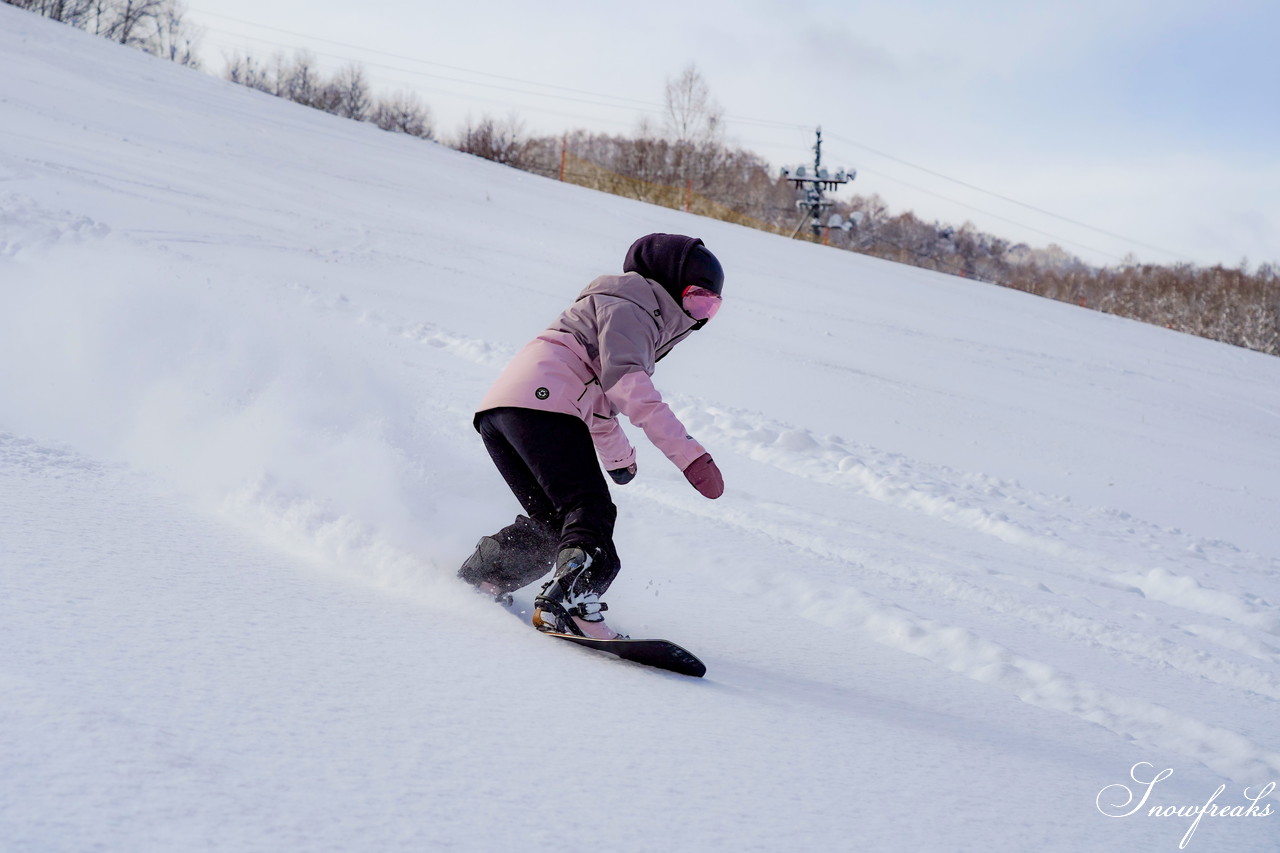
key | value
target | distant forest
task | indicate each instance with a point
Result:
(684, 162)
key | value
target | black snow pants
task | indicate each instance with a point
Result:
(550, 465)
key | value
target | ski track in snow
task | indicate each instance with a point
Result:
(1042, 533)
(471, 349)
(26, 224)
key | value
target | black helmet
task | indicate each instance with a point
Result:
(675, 262)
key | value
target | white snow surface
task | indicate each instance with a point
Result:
(981, 556)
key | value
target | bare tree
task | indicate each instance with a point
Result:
(345, 94)
(349, 94)
(298, 80)
(503, 142)
(692, 117)
(156, 26)
(174, 40)
(695, 125)
(247, 71)
(404, 112)
(132, 22)
(65, 11)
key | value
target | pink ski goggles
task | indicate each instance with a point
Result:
(700, 303)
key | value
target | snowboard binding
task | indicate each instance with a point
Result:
(553, 617)
(568, 604)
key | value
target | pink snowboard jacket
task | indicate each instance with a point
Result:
(595, 361)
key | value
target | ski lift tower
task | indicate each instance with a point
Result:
(812, 185)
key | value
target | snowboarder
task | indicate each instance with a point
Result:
(554, 409)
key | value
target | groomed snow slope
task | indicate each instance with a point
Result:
(980, 554)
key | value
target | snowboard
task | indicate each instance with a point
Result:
(662, 654)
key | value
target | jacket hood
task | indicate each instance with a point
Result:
(657, 302)
(661, 257)
(670, 322)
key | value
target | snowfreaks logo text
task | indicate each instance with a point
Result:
(1120, 800)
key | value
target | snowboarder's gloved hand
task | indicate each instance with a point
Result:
(622, 476)
(703, 474)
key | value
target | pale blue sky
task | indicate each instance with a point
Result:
(1155, 121)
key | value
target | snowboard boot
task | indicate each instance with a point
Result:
(515, 556)
(568, 603)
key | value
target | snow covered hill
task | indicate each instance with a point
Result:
(981, 557)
